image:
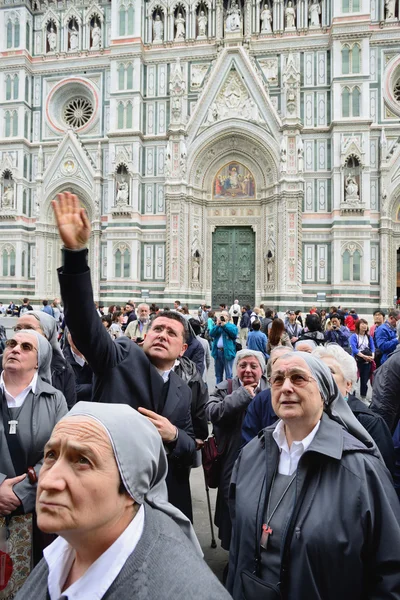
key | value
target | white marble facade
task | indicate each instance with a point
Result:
(137, 109)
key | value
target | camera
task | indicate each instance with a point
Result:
(222, 319)
(334, 326)
(139, 340)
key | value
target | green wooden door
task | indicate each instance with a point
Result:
(233, 266)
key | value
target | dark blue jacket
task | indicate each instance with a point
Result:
(258, 341)
(259, 415)
(195, 352)
(245, 320)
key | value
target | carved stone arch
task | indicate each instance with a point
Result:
(50, 16)
(72, 14)
(93, 12)
(351, 247)
(122, 163)
(157, 5)
(179, 4)
(8, 248)
(122, 247)
(213, 148)
(84, 194)
(199, 2)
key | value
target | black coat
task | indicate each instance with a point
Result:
(386, 391)
(377, 429)
(63, 378)
(188, 372)
(123, 373)
(83, 377)
(195, 353)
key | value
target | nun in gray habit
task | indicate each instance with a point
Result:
(166, 560)
(327, 526)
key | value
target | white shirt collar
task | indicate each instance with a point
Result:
(19, 398)
(78, 359)
(101, 574)
(289, 458)
(165, 374)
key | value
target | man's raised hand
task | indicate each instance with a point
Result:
(72, 222)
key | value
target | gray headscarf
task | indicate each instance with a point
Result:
(49, 327)
(243, 353)
(44, 354)
(140, 456)
(334, 402)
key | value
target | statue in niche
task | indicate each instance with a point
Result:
(52, 39)
(390, 7)
(122, 193)
(270, 254)
(96, 36)
(168, 160)
(300, 155)
(283, 160)
(180, 28)
(196, 267)
(8, 197)
(314, 12)
(158, 29)
(271, 72)
(73, 37)
(290, 16)
(351, 192)
(233, 23)
(266, 20)
(202, 24)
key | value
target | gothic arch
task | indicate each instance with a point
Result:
(85, 196)
(213, 149)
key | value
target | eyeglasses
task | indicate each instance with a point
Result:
(25, 346)
(296, 379)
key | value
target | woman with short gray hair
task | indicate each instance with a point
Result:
(226, 409)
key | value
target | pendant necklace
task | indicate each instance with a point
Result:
(266, 528)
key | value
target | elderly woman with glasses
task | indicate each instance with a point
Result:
(30, 407)
(314, 511)
(226, 409)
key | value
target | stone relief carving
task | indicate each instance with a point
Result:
(390, 8)
(291, 85)
(233, 101)
(197, 75)
(270, 69)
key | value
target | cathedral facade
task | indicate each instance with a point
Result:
(221, 148)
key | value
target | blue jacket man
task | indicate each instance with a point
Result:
(257, 340)
(339, 334)
(386, 335)
(259, 415)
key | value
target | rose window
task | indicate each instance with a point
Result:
(396, 91)
(77, 112)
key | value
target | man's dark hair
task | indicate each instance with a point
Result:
(297, 312)
(335, 316)
(26, 300)
(394, 313)
(333, 309)
(268, 313)
(379, 312)
(313, 322)
(248, 307)
(256, 325)
(45, 302)
(106, 319)
(170, 314)
(178, 302)
(195, 325)
(166, 309)
(129, 304)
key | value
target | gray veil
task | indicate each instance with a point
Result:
(140, 456)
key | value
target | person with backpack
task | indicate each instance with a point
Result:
(25, 307)
(363, 350)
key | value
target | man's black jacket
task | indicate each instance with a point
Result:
(83, 377)
(124, 374)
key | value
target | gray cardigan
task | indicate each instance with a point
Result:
(163, 566)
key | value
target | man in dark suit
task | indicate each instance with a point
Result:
(123, 373)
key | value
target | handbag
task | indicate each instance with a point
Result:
(212, 456)
(15, 553)
(254, 587)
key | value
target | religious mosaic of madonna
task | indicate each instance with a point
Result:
(234, 181)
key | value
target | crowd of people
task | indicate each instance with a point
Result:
(105, 414)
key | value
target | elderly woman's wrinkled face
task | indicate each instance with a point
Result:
(21, 354)
(249, 370)
(337, 374)
(78, 488)
(295, 393)
(28, 322)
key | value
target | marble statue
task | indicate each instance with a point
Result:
(8, 197)
(351, 188)
(271, 71)
(52, 39)
(212, 114)
(283, 160)
(180, 27)
(158, 29)
(266, 20)
(96, 37)
(122, 193)
(168, 160)
(195, 268)
(202, 24)
(314, 12)
(233, 23)
(290, 16)
(390, 7)
(73, 38)
(300, 155)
